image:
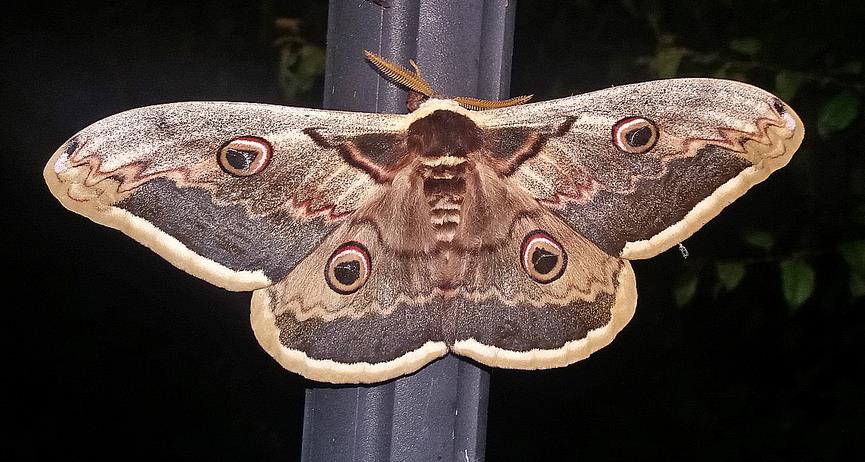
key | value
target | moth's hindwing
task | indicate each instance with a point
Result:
(371, 319)
(514, 310)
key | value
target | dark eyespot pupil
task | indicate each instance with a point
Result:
(347, 272)
(544, 261)
(241, 160)
(639, 137)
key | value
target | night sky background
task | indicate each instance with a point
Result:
(111, 352)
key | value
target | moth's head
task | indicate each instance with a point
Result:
(420, 90)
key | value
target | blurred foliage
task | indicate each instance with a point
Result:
(797, 281)
(838, 113)
(300, 62)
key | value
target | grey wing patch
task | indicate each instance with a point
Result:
(226, 233)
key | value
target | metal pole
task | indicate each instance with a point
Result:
(463, 48)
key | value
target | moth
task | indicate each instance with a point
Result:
(376, 243)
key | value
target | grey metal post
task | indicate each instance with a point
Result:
(463, 48)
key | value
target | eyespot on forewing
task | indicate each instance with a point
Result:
(244, 156)
(635, 135)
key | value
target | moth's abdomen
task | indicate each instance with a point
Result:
(444, 187)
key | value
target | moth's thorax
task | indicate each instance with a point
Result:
(443, 133)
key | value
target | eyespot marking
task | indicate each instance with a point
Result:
(543, 258)
(244, 156)
(348, 268)
(635, 135)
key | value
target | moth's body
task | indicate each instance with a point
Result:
(444, 197)
(378, 242)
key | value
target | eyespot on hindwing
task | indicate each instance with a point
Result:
(348, 268)
(542, 257)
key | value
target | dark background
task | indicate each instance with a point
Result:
(751, 348)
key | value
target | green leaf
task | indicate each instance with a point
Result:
(853, 253)
(730, 274)
(748, 46)
(300, 64)
(787, 84)
(667, 61)
(686, 288)
(311, 62)
(838, 113)
(760, 239)
(797, 282)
